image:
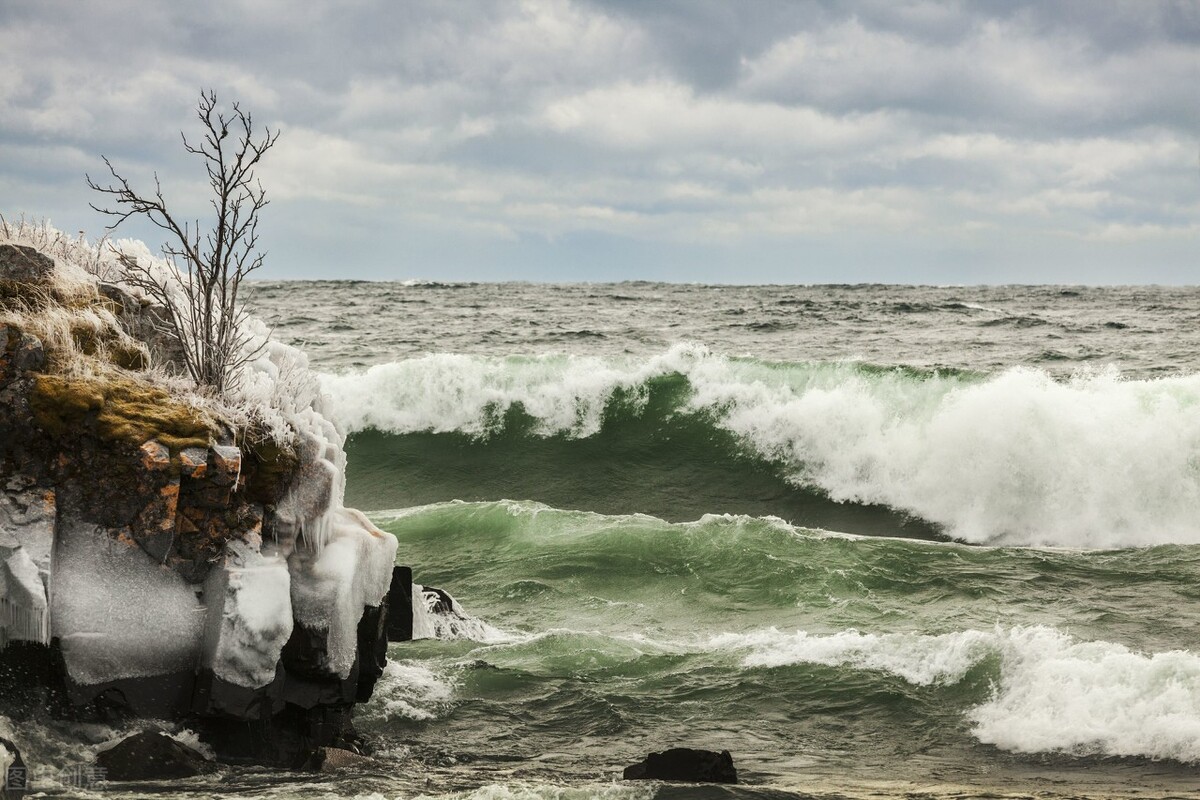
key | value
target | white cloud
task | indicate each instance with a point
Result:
(668, 116)
(907, 123)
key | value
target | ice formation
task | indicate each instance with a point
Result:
(117, 613)
(121, 613)
(249, 616)
(26, 541)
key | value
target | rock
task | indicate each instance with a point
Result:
(141, 497)
(400, 610)
(332, 759)
(28, 354)
(124, 301)
(372, 649)
(24, 264)
(193, 462)
(685, 764)
(437, 600)
(155, 456)
(13, 771)
(150, 756)
(226, 463)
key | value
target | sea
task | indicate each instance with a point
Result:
(875, 541)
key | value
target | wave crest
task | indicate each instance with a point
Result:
(1015, 458)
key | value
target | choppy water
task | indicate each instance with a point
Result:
(876, 541)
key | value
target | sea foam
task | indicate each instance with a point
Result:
(1016, 458)
(1054, 693)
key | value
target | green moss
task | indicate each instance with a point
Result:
(120, 410)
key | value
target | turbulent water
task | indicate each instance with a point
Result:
(876, 541)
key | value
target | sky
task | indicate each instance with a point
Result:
(742, 141)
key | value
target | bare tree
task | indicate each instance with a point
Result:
(201, 294)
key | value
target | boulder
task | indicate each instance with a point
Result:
(685, 764)
(150, 756)
(22, 264)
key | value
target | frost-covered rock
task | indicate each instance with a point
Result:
(24, 264)
(164, 553)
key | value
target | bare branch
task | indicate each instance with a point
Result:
(200, 297)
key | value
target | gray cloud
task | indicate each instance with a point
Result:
(552, 139)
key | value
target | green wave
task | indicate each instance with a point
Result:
(650, 455)
(535, 568)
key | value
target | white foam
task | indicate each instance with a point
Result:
(410, 690)
(1018, 458)
(443, 393)
(542, 791)
(455, 624)
(1054, 694)
(1093, 698)
(920, 660)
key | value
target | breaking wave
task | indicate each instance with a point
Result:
(1014, 458)
(1052, 693)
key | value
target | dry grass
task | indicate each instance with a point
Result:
(88, 349)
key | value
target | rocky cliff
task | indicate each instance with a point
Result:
(164, 554)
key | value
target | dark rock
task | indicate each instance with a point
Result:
(333, 759)
(400, 610)
(28, 354)
(372, 649)
(16, 775)
(216, 697)
(123, 699)
(685, 764)
(24, 264)
(149, 756)
(440, 602)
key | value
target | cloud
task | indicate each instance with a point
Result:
(659, 127)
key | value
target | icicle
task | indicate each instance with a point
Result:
(18, 622)
(316, 532)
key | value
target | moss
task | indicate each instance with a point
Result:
(121, 410)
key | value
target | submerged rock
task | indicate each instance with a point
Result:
(685, 764)
(334, 759)
(151, 756)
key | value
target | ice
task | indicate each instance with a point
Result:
(249, 615)
(117, 613)
(333, 584)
